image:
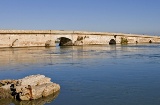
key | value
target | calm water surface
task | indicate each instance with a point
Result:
(90, 75)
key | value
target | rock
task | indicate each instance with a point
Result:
(40, 101)
(50, 89)
(4, 94)
(33, 80)
(7, 81)
(6, 87)
(31, 87)
(35, 92)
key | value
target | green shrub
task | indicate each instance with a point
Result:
(124, 40)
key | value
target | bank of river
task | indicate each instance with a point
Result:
(91, 75)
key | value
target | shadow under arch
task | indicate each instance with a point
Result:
(150, 41)
(63, 41)
(112, 42)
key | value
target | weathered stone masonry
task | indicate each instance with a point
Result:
(31, 38)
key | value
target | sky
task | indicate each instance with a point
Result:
(126, 16)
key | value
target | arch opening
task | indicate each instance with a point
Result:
(112, 42)
(63, 41)
(150, 41)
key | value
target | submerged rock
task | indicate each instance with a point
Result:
(30, 87)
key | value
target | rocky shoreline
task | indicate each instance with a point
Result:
(29, 88)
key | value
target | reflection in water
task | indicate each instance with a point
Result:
(40, 101)
(56, 55)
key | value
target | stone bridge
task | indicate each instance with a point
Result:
(31, 38)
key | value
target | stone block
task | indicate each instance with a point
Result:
(32, 87)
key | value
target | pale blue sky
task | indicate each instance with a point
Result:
(127, 16)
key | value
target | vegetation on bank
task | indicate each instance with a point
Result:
(124, 40)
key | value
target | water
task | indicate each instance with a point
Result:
(90, 75)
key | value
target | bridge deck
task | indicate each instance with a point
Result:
(72, 32)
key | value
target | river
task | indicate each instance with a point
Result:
(90, 75)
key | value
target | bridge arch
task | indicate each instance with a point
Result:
(150, 41)
(112, 42)
(64, 41)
